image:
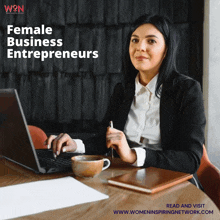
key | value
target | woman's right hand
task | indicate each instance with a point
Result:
(116, 139)
(63, 142)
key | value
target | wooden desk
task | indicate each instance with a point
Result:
(119, 198)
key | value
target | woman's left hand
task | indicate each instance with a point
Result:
(117, 140)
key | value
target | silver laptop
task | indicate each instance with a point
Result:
(15, 140)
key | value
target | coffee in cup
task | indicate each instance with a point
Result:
(89, 165)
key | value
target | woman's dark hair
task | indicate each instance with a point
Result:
(168, 65)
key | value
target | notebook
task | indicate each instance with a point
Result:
(149, 180)
(15, 140)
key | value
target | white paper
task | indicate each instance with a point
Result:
(30, 198)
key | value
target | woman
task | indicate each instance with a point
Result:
(158, 114)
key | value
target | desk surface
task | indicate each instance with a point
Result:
(119, 198)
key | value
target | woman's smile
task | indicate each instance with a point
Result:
(141, 58)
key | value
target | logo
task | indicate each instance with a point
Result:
(14, 9)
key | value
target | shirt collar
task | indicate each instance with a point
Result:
(151, 86)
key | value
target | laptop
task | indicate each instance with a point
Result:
(16, 144)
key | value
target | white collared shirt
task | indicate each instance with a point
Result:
(143, 122)
(144, 118)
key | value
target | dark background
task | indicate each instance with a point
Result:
(72, 95)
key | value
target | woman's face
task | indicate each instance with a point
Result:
(147, 49)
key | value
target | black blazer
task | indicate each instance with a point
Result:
(182, 124)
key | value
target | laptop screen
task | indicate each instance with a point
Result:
(15, 140)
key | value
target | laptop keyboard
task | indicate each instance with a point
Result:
(47, 159)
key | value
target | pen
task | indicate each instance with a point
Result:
(54, 156)
(112, 150)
